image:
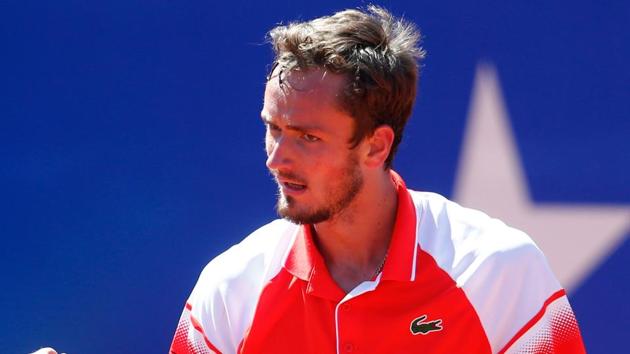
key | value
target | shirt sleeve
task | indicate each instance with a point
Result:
(204, 326)
(190, 337)
(553, 329)
(221, 307)
(520, 303)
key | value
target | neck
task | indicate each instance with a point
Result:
(354, 243)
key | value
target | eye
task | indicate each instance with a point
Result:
(310, 138)
(272, 128)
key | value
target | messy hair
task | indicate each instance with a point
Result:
(377, 53)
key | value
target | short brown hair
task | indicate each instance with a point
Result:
(378, 53)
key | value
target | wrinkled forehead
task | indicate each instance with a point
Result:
(303, 97)
(313, 81)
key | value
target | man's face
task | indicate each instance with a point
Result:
(307, 144)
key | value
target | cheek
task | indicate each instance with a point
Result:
(325, 167)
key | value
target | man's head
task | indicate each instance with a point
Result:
(336, 103)
(377, 55)
(307, 146)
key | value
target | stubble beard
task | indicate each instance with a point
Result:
(340, 197)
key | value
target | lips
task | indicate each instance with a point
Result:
(293, 186)
(290, 184)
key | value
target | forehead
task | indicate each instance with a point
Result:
(302, 92)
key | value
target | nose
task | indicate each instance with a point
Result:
(278, 153)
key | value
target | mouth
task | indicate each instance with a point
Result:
(290, 185)
(293, 187)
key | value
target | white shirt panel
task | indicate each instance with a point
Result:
(500, 269)
(229, 287)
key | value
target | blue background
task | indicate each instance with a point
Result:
(131, 146)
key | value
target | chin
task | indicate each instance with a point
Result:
(288, 209)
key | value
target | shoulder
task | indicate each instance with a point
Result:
(502, 272)
(462, 239)
(260, 252)
(222, 303)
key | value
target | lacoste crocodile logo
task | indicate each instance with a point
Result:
(418, 326)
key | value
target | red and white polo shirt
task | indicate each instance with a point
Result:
(455, 281)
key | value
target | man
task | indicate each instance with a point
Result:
(359, 263)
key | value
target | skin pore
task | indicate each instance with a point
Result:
(345, 193)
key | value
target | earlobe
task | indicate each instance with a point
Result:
(380, 144)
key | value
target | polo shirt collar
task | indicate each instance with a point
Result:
(306, 263)
(401, 256)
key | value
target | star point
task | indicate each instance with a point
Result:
(575, 238)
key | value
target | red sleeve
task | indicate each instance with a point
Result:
(552, 330)
(190, 337)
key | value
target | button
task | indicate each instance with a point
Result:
(348, 347)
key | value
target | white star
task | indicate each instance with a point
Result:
(490, 177)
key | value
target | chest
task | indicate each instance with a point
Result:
(429, 316)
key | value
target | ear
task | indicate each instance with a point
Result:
(379, 145)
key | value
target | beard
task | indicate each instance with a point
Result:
(339, 195)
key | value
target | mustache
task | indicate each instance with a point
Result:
(288, 175)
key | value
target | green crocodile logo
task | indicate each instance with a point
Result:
(418, 326)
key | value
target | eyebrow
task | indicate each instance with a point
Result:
(297, 128)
